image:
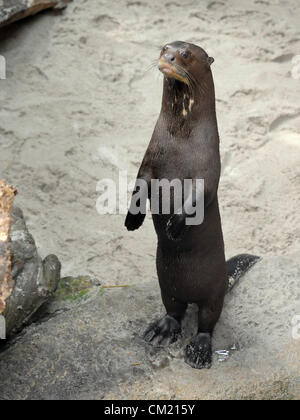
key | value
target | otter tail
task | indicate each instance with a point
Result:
(237, 266)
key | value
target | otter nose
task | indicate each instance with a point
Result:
(169, 57)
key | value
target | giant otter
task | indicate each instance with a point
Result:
(190, 260)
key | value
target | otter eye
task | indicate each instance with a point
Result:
(165, 48)
(184, 53)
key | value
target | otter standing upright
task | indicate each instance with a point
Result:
(190, 260)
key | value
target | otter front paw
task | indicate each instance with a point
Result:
(198, 354)
(163, 332)
(176, 227)
(134, 221)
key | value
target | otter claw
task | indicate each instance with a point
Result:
(134, 221)
(163, 332)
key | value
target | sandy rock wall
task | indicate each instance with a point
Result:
(12, 10)
(80, 103)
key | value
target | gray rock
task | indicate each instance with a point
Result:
(35, 280)
(91, 348)
(12, 10)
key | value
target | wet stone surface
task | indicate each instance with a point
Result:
(92, 346)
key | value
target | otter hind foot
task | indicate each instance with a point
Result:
(163, 332)
(198, 353)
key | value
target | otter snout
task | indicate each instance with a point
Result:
(169, 58)
(167, 65)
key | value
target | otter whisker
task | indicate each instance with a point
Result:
(151, 66)
(191, 83)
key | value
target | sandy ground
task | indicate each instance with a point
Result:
(78, 105)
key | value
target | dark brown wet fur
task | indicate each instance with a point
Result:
(190, 260)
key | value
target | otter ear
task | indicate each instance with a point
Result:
(210, 60)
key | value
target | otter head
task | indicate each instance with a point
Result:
(185, 62)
